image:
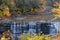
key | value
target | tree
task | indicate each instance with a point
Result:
(27, 6)
(20, 7)
(6, 11)
(1, 14)
(1, 11)
(56, 11)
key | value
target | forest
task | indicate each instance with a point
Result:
(9, 8)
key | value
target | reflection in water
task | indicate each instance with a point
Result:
(33, 27)
(18, 28)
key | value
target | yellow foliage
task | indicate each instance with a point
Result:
(1, 14)
(3, 38)
(36, 37)
(57, 4)
(47, 38)
(56, 10)
(58, 29)
(6, 11)
(41, 37)
(29, 38)
(36, 10)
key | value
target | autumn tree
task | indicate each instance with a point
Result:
(56, 11)
(1, 14)
(4, 9)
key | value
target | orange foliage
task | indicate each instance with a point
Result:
(6, 32)
(57, 4)
(56, 10)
